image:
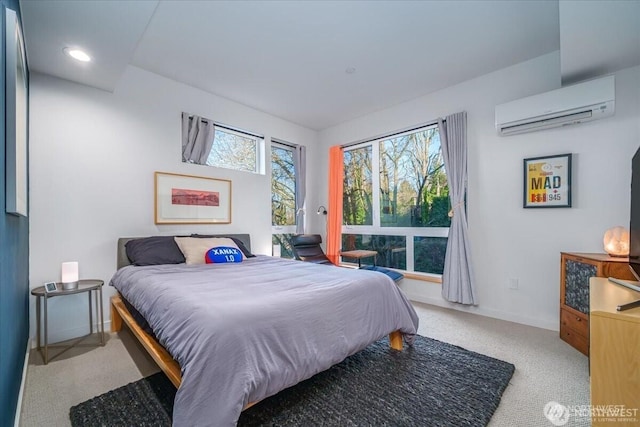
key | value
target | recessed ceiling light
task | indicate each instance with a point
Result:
(77, 54)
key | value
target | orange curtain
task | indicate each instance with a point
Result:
(334, 216)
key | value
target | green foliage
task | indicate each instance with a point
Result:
(429, 254)
(391, 249)
(413, 192)
(412, 176)
(284, 240)
(438, 215)
(283, 187)
(357, 187)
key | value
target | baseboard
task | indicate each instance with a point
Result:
(72, 333)
(23, 381)
(495, 314)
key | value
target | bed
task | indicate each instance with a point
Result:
(229, 335)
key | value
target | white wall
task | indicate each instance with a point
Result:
(93, 155)
(508, 241)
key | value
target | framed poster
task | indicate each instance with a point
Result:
(187, 199)
(547, 182)
(16, 118)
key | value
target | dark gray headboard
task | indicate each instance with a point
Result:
(123, 261)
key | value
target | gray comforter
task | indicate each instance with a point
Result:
(242, 332)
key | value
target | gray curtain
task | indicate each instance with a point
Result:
(300, 167)
(458, 283)
(197, 139)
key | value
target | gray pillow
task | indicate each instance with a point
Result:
(154, 251)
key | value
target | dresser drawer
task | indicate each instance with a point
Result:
(576, 269)
(577, 323)
(576, 340)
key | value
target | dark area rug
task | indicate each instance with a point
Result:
(429, 384)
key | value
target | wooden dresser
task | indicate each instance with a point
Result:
(614, 355)
(575, 271)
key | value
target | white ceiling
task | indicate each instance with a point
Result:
(598, 38)
(108, 30)
(289, 59)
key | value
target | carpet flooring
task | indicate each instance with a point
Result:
(431, 383)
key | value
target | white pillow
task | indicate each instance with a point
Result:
(195, 248)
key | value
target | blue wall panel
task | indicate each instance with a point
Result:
(14, 275)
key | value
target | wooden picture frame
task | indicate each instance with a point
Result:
(189, 199)
(17, 96)
(547, 182)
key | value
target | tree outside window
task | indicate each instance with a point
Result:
(357, 188)
(283, 198)
(396, 200)
(413, 183)
(234, 150)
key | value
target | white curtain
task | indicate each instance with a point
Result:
(197, 139)
(458, 284)
(300, 168)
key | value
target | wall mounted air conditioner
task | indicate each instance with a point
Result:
(582, 102)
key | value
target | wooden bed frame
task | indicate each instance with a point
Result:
(169, 366)
(120, 314)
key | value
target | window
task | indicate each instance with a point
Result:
(230, 148)
(233, 149)
(283, 197)
(357, 205)
(396, 200)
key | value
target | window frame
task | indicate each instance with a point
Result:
(376, 228)
(260, 158)
(283, 229)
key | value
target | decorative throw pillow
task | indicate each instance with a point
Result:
(195, 249)
(154, 251)
(223, 254)
(246, 252)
